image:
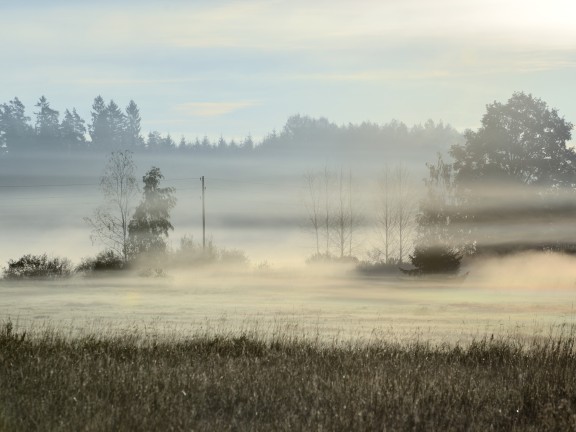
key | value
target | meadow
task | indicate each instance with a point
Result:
(273, 349)
(244, 382)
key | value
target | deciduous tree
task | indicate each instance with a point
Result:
(150, 224)
(110, 221)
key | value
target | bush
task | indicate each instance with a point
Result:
(327, 258)
(193, 254)
(377, 268)
(376, 264)
(434, 260)
(38, 266)
(105, 261)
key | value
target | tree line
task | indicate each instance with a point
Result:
(111, 128)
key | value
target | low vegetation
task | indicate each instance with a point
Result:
(243, 382)
(105, 261)
(38, 267)
(190, 254)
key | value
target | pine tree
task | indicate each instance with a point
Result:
(132, 136)
(47, 123)
(99, 128)
(73, 130)
(16, 134)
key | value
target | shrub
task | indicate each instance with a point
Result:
(327, 258)
(376, 264)
(232, 257)
(105, 261)
(38, 266)
(377, 268)
(434, 260)
(193, 254)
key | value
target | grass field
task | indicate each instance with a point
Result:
(282, 350)
(52, 382)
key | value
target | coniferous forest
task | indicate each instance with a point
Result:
(47, 129)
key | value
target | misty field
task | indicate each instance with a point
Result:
(291, 349)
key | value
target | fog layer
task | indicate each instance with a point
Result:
(524, 295)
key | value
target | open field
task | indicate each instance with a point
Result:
(242, 382)
(292, 349)
(328, 303)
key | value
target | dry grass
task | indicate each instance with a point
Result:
(240, 382)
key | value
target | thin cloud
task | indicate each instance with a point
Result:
(277, 25)
(213, 109)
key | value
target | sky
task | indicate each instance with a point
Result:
(232, 68)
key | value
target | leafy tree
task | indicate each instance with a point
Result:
(522, 141)
(110, 221)
(510, 169)
(150, 224)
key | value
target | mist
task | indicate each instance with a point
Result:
(511, 297)
(318, 229)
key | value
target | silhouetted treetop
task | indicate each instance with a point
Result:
(112, 129)
(511, 183)
(522, 141)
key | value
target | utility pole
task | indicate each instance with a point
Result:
(203, 217)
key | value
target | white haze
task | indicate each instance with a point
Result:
(513, 297)
(258, 207)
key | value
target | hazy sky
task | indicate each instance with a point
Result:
(238, 67)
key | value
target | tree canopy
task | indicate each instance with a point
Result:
(511, 184)
(522, 141)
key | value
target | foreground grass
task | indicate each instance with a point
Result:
(52, 383)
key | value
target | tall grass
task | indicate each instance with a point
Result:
(49, 382)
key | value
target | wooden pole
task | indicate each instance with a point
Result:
(203, 217)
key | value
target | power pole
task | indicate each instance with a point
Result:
(203, 217)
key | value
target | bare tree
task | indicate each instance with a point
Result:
(312, 203)
(344, 217)
(331, 213)
(406, 204)
(341, 217)
(396, 218)
(354, 218)
(110, 221)
(386, 222)
(327, 183)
